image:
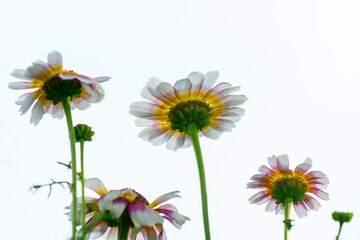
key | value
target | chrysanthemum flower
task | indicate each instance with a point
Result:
(280, 183)
(191, 100)
(128, 207)
(52, 83)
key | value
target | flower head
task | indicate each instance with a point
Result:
(52, 84)
(127, 205)
(194, 99)
(280, 183)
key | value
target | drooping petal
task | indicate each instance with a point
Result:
(37, 113)
(259, 198)
(164, 198)
(142, 215)
(175, 142)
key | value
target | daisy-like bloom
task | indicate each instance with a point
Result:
(130, 210)
(279, 183)
(52, 84)
(194, 99)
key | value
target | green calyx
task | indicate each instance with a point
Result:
(57, 89)
(342, 216)
(83, 133)
(112, 221)
(291, 188)
(189, 112)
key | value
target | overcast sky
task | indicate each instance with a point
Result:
(296, 61)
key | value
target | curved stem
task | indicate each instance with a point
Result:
(82, 177)
(66, 105)
(193, 133)
(287, 207)
(337, 237)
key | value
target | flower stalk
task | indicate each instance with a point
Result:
(192, 131)
(83, 210)
(123, 229)
(66, 105)
(287, 221)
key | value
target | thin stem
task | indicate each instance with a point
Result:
(66, 105)
(82, 176)
(123, 230)
(287, 207)
(337, 237)
(192, 132)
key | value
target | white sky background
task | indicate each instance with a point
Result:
(297, 62)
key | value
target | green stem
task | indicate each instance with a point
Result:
(287, 207)
(192, 131)
(82, 176)
(66, 105)
(337, 237)
(123, 230)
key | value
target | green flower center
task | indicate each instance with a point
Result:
(188, 112)
(56, 89)
(289, 187)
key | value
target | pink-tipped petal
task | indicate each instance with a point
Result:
(142, 215)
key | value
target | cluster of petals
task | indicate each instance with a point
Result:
(163, 96)
(146, 218)
(36, 75)
(314, 182)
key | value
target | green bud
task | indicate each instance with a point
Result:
(342, 216)
(83, 133)
(189, 112)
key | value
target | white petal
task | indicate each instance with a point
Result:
(54, 59)
(142, 215)
(231, 100)
(81, 104)
(264, 169)
(112, 234)
(20, 85)
(164, 198)
(96, 185)
(57, 111)
(37, 69)
(161, 139)
(143, 122)
(101, 79)
(224, 125)
(197, 81)
(283, 161)
(211, 133)
(151, 133)
(175, 142)
(166, 90)
(25, 100)
(308, 161)
(270, 206)
(209, 81)
(37, 113)
(145, 93)
(20, 73)
(182, 89)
